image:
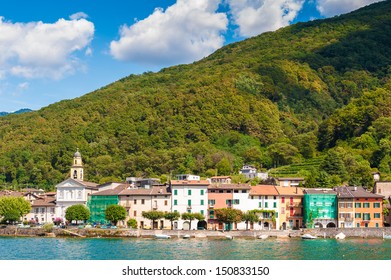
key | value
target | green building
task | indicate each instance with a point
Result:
(320, 208)
(98, 202)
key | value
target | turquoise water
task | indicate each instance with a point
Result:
(25, 248)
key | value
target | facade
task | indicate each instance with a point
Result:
(189, 196)
(142, 182)
(137, 200)
(291, 207)
(265, 197)
(384, 188)
(43, 210)
(226, 196)
(320, 208)
(73, 190)
(250, 172)
(345, 207)
(290, 182)
(221, 180)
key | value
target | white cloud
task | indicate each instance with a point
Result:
(183, 33)
(257, 16)
(23, 86)
(330, 8)
(37, 49)
(78, 15)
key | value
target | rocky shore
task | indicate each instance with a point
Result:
(138, 233)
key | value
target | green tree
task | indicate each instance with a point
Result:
(115, 213)
(334, 165)
(386, 211)
(132, 223)
(228, 215)
(77, 213)
(172, 216)
(249, 217)
(188, 217)
(153, 216)
(13, 208)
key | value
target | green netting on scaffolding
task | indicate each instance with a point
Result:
(97, 205)
(319, 206)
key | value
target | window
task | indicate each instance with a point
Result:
(283, 199)
(189, 202)
(202, 212)
(260, 205)
(349, 205)
(175, 192)
(376, 215)
(366, 217)
(266, 197)
(52, 210)
(212, 191)
(135, 201)
(357, 205)
(42, 210)
(341, 205)
(202, 202)
(134, 213)
(358, 225)
(252, 197)
(377, 224)
(376, 205)
(211, 214)
(221, 191)
(366, 204)
(175, 202)
(228, 191)
(266, 205)
(188, 192)
(36, 210)
(274, 197)
(357, 215)
(165, 203)
(202, 192)
(142, 201)
(274, 204)
(236, 201)
(211, 202)
(276, 214)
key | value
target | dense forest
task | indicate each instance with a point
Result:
(315, 95)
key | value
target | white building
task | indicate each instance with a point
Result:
(250, 172)
(73, 190)
(189, 196)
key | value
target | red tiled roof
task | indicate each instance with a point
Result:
(214, 186)
(263, 190)
(190, 182)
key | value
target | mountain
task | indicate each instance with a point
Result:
(315, 90)
(25, 110)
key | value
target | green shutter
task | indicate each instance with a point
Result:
(202, 202)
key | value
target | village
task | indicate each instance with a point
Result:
(284, 205)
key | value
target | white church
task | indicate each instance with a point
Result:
(73, 190)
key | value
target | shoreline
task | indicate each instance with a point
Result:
(243, 234)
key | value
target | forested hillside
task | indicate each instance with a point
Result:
(316, 90)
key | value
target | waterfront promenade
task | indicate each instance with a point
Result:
(139, 233)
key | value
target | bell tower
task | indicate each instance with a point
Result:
(77, 167)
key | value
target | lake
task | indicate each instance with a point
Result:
(34, 248)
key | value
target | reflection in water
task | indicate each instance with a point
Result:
(192, 249)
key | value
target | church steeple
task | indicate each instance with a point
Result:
(77, 167)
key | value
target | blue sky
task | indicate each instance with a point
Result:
(61, 49)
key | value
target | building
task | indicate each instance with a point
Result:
(250, 172)
(73, 190)
(265, 198)
(320, 208)
(188, 177)
(142, 182)
(43, 210)
(291, 207)
(138, 200)
(290, 182)
(384, 188)
(189, 196)
(226, 196)
(221, 180)
(368, 207)
(345, 207)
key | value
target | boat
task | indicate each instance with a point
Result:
(229, 237)
(308, 236)
(162, 236)
(386, 236)
(340, 235)
(187, 236)
(263, 236)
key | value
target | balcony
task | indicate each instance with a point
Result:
(154, 207)
(211, 206)
(189, 207)
(294, 204)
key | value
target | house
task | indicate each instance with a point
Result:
(226, 196)
(345, 207)
(320, 208)
(368, 207)
(73, 190)
(188, 177)
(250, 172)
(189, 196)
(384, 188)
(265, 198)
(290, 182)
(138, 200)
(221, 180)
(291, 207)
(142, 182)
(43, 210)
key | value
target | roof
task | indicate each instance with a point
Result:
(263, 190)
(11, 193)
(320, 191)
(215, 186)
(46, 201)
(220, 177)
(114, 191)
(291, 191)
(87, 184)
(290, 179)
(356, 192)
(190, 182)
(156, 190)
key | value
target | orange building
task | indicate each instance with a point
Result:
(291, 207)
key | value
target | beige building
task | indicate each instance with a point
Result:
(291, 207)
(384, 188)
(138, 200)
